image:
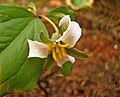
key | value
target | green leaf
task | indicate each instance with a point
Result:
(10, 12)
(76, 53)
(25, 79)
(66, 68)
(57, 13)
(17, 72)
(79, 4)
(31, 6)
(49, 63)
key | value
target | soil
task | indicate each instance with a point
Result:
(98, 75)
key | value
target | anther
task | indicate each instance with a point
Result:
(60, 56)
(57, 49)
(54, 44)
(63, 52)
(63, 45)
(54, 55)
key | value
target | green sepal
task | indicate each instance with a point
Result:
(66, 68)
(63, 27)
(77, 53)
(44, 38)
(56, 14)
(55, 36)
(49, 63)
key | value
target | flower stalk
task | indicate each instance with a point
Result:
(51, 22)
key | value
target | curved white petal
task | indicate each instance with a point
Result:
(72, 34)
(37, 49)
(68, 58)
(65, 19)
(71, 59)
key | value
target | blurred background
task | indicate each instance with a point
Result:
(96, 76)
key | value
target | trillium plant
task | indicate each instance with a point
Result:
(27, 50)
(58, 47)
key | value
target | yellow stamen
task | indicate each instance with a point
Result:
(54, 55)
(50, 46)
(63, 45)
(63, 52)
(60, 56)
(54, 44)
(58, 50)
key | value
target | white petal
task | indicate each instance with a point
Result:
(65, 19)
(72, 34)
(68, 58)
(71, 59)
(37, 49)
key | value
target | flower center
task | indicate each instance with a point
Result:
(58, 50)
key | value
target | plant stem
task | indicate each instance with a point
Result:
(51, 22)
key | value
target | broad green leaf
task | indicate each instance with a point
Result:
(25, 79)
(57, 13)
(76, 53)
(17, 72)
(10, 12)
(66, 68)
(49, 63)
(79, 4)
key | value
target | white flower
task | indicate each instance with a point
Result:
(58, 47)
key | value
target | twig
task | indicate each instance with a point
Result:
(43, 89)
(45, 79)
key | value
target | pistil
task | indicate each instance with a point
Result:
(58, 50)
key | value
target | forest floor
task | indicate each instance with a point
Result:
(98, 75)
